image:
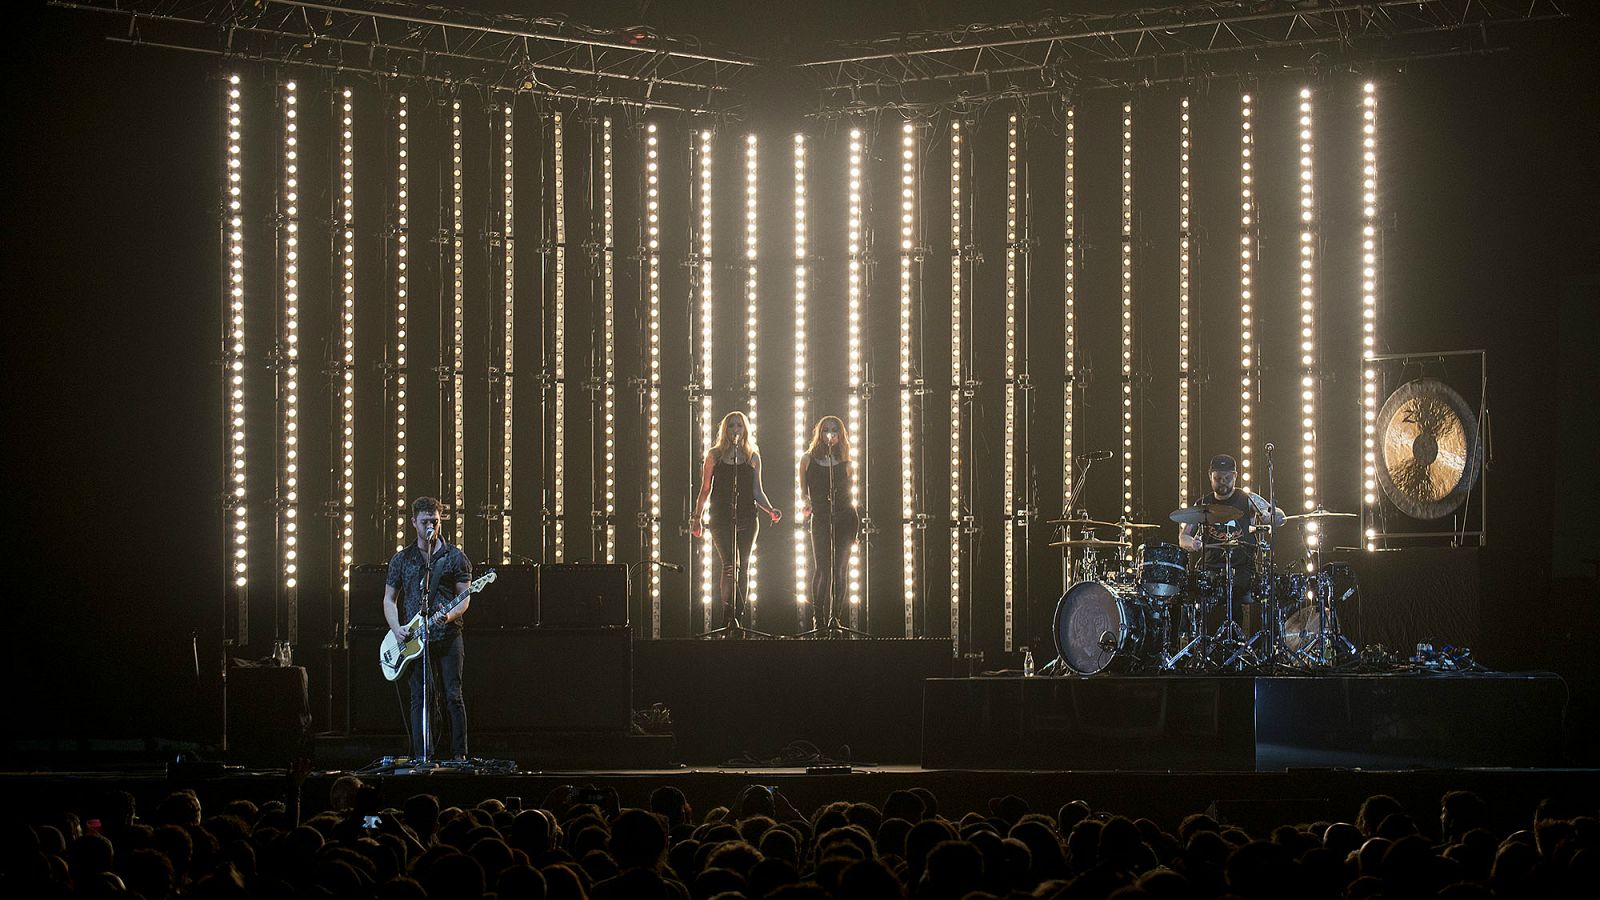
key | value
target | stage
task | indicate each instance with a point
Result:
(584, 701)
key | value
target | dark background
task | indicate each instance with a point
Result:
(114, 455)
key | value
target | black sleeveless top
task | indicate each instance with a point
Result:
(724, 478)
(824, 503)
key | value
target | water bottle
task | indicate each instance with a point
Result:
(1027, 663)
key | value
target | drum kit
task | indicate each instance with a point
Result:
(1157, 607)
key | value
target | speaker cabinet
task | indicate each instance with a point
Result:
(515, 680)
(268, 715)
(508, 603)
(578, 595)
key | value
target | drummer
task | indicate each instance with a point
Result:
(1237, 533)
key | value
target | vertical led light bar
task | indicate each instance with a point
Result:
(652, 212)
(289, 356)
(801, 361)
(347, 346)
(233, 354)
(402, 304)
(908, 506)
(1069, 337)
(1369, 312)
(957, 383)
(458, 332)
(1247, 345)
(508, 326)
(855, 368)
(1183, 302)
(1308, 321)
(707, 433)
(1009, 438)
(1127, 310)
(558, 505)
(608, 260)
(752, 315)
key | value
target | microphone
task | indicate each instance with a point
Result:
(1270, 448)
(1095, 455)
(676, 567)
(430, 532)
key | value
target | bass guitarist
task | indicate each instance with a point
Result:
(432, 570)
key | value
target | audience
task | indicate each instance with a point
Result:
(582, 844)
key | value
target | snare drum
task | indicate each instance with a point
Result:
(1104, 627)
(1163, 569)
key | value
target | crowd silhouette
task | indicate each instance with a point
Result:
(579, 843)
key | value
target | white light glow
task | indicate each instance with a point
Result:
(908, 505)
(1308, 312)
(652, 194)
(233, 351)
(344, 209)
(1247, 232)
(1127, 310)
(289, 348)
(957, 343)
(402, 302)
(1009, 435)
(1369, 310)
(608, 262)
(458, 321)
(855, 367)
(801, 363)
(1183, 302)
(558, 352)
(508, 326)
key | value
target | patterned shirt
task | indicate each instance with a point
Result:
(408, 574)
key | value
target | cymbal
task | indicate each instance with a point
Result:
(1094, 523)
(1320, 513)
(1205, 514)
(1090, 542)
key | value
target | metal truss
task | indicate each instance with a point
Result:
(1176, 42)
(420, 42)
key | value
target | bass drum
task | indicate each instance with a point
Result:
(1103, 627)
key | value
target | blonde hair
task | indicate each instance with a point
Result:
(722, 443)
(816, 439)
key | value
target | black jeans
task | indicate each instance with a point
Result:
(830, 564)
(733, 596)
(444, 659)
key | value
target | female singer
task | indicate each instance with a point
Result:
(825, 493)
(731, 479)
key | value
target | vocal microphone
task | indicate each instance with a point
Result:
(1095, 455)
(1270, 448)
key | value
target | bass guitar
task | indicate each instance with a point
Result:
(394, 656)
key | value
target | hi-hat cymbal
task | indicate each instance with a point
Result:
(1320, 513)
(1090, 542)
(1205, 514)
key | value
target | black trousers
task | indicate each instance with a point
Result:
(445, 658)
(830, 564)
(733, 595)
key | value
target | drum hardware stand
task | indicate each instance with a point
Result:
(1271, 631)
(1085, 572)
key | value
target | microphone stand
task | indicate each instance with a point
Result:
(427, 619)
(732, 627)
(834, 627)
